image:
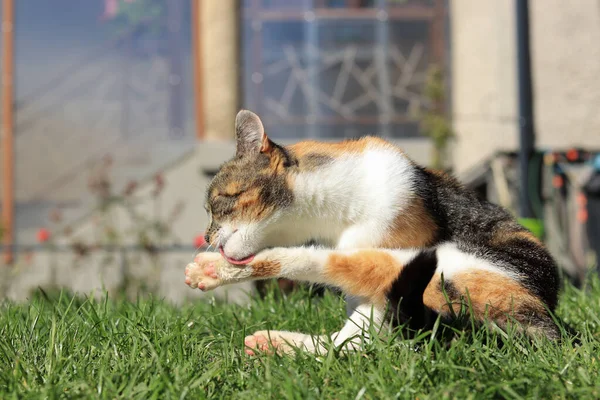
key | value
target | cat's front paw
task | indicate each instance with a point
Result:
(203, 273)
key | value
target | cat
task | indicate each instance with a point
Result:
(397, 237)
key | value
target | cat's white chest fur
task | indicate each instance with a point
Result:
(352, 201)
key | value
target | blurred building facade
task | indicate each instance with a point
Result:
(105, 108)
(326, 69)
(89, 94)
(479, 58)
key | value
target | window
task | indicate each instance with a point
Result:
(339, 68)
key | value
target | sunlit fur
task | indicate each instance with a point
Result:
(375, 212)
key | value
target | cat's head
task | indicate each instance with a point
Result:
(250, 192)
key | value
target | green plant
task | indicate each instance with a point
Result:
(434, 122)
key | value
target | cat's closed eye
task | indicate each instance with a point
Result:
(229, 195)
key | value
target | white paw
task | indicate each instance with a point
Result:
(271, 342)
(203, 273)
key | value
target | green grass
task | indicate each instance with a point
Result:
(80, 348)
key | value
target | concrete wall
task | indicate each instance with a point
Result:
(483, 74)
(566, 63)
(185, 183)
(565, 66)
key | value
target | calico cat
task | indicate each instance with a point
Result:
(398, 236)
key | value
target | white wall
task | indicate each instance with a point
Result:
(565, 67)
(566, 62)
(483, 79)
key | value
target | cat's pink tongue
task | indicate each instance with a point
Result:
(233, 261)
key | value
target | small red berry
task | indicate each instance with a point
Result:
(582, 215)
(558, 181)
(43, 235)
(581, 199)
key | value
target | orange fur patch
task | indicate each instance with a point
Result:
(250, 204)
(366, 273)
(491, 295)
(413, 228)
(265, 269)
(232, 188)
(306, 149)
(301, 149)
(434, 298)
(503, 236)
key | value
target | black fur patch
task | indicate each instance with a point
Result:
(289, 159)
(406, 293)
(471, 223)
(313, 161)
(451, 291)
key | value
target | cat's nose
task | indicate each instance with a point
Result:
(207, 238)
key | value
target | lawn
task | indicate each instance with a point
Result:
(72, 347)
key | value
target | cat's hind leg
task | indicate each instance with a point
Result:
(489, 293)
(283, 342)
(490, 299)
(351, 337)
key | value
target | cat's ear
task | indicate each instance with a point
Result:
(250, 134)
